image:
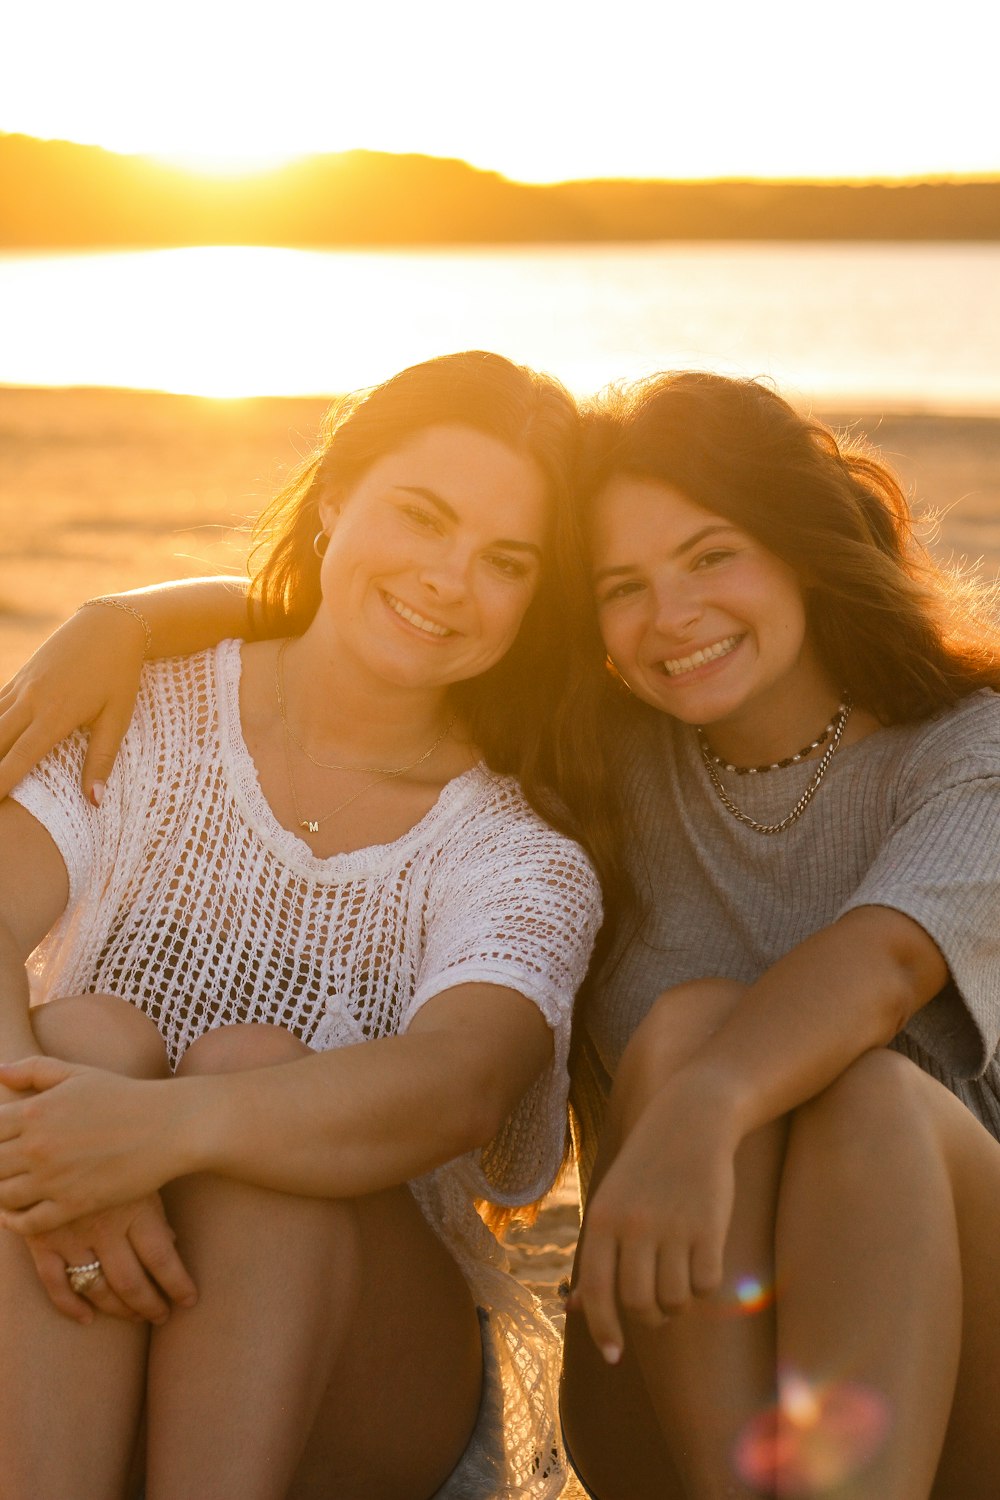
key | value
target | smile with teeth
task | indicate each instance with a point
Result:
(680, 664)
(412, 618)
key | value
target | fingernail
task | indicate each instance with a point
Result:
(611, 1352)
(97, 793)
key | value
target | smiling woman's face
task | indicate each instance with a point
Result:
(701, 620)
(434, 557)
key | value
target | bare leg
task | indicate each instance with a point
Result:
(71, 1396)
(870, 1268)
(663, 1422)
(346, 1320)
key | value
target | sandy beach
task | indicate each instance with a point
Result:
(104, 490)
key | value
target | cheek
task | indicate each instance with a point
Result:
(506, 612)
(620, 632)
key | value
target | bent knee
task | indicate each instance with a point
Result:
(881, 1090)
(102, 1031)
(232, 1049)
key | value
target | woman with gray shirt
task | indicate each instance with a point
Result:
(788, 1254)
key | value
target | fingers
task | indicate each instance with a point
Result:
(640, 1277)
(106, 734)
(51, 1269)
(40, 1218)
(141, 1271)
(595, 1292)
(707, 1268)
(22, 749)
(37, 1073)
(154, 1243)
(17, 1191)
(126, 1282)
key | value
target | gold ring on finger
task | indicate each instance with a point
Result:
(82, 1278)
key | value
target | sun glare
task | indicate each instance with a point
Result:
(227, 163)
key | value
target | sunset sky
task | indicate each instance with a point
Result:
(540, 90)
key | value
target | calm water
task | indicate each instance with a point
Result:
(913, 325)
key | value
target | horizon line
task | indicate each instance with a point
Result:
(184, 164)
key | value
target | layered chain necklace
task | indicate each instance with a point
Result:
(379, 774)
(833, 732)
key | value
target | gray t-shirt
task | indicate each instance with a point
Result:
(908, 818)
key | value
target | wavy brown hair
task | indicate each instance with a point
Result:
(903, 635)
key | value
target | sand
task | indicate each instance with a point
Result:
(104, 490)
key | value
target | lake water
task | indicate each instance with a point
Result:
(904, 325)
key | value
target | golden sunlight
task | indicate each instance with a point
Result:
(228, 163)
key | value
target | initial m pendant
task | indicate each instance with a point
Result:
(310, 825)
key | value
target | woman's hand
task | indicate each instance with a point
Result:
(83, 1142)
(655, 1230)
(85, 675)
(138, 1256)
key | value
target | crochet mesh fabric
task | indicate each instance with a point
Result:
(189, 899)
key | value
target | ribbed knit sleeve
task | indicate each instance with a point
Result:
(513, 903)
(940, 865)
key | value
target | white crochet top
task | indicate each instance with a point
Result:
(188, 898)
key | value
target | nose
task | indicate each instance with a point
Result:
(446, 578)
(677, 606)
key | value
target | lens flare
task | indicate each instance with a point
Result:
(816, 1437)
(752, 1296)
(743, 1298)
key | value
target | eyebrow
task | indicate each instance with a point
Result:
(511, 544)
(624, 569)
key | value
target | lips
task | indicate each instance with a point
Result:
(418, 621)
(677, 666)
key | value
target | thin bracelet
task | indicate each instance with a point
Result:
(128, 609)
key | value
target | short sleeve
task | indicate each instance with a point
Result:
(516, 905)
(940, 866)
(51, 793)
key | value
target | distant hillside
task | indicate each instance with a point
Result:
(54, 194)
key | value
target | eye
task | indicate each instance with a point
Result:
(714, 556)
(508, 566)
(426, 520)
(622, 590)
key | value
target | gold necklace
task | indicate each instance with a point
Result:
(312, 825)
(838, 725)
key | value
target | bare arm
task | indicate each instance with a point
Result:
(663, 1208)
(33, 892)
(87, 672)
(850, 987)
(136, 1237)
(340, 1123)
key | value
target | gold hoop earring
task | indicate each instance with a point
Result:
(320, 543)
(613, 667)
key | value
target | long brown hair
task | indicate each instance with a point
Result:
(899, 632)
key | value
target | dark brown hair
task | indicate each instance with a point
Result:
(900, 633)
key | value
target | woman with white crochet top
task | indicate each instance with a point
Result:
(309, 957)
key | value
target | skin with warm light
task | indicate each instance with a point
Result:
(738, 1114)
(704, 623)
(421, 589)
